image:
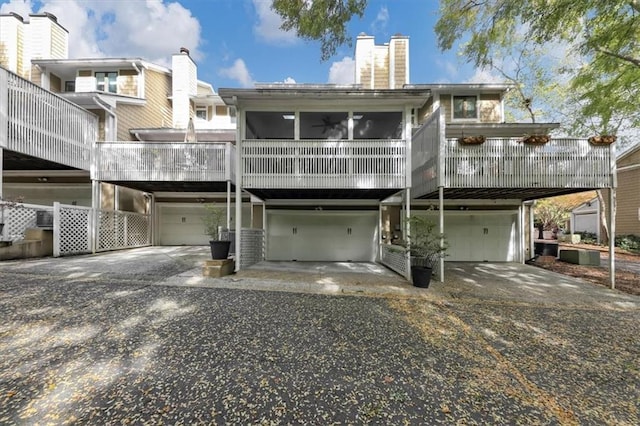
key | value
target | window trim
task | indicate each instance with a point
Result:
(95, 75)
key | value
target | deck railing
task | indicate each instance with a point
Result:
(36, 122)
(510, 163)
(309, 164)
(164, 161)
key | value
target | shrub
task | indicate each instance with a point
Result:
(628, 242)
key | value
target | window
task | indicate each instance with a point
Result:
(464, 107)
(270, 125)
(70, 86)
(201, 113)
(324, 125)
(107, 81)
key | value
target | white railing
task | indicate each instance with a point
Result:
(425, 147)
(36, 122)
(119, 230)
(164, 161)
(510, 163)
(395, 258)
(356, 164)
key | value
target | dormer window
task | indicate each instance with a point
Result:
(465, 108)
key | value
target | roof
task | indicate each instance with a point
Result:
(464, 87)
(328, 94)
(98, 62)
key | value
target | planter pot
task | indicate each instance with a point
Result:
(602, 140)
(547, 235)
(219, 249)
(536, 139)
(472, 140)
(421, 276)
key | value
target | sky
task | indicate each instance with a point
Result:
(237, 43)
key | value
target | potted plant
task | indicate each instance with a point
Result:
(213, 220)
(472, 140)
(536, 139)
(425, 246)
(602, 139)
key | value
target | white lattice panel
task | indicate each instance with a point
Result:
(18, 217)
(252, 246)
(395, 258)
(75, 230)
(119, 230)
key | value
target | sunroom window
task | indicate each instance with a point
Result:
(270, 125)
(465, 107)
(107, 81)
(324, 125)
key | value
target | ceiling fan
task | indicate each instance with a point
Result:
(328, 124)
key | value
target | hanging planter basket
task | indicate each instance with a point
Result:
(602, 139)
(472, 140)
(536, 139)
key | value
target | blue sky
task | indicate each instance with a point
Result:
(237, 43)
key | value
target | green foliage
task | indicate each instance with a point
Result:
(424, 241)
(588, 237)
(323, 20)
(550, 215)
(604, 79)
(628, 242)
(213, 219)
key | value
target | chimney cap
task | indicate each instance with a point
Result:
(184, 50)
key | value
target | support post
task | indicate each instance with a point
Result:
(239, 181)
(95, 214)
(56, 229)
(407, 228)
(441, 213)
(612, 237)
(229, 205)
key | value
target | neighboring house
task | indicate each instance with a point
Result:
(319, 172)
(585, 218)
(628, 193)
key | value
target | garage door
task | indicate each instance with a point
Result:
(482, 236)
(182, 225)
(322, 236)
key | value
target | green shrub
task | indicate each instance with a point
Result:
(628, 242)
(588, 237)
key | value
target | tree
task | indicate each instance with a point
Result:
(323, 20)
(605, 34)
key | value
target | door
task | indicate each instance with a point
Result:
(325, 236)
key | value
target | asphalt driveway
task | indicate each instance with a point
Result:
(91, 340)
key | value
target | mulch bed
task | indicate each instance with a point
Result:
(626, 281)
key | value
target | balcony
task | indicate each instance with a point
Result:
(508, 168)
(38, 123)
(164, 162)
(323, 164)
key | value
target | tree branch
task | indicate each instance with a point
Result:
(629, 59)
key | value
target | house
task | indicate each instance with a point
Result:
(628, 192)
(308, 172)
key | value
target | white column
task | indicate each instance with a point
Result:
(612, 237)
(407, 228)
(441, 212)
(56, 229)
(229, 205)
(239, 180)
(95, 214)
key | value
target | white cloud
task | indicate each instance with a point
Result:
(289, 80)
(21, 7)
(381, 21)
(268, 26)
(451, 69)
(343, 72)
(151, 29)
(238, 72)
(482, 75)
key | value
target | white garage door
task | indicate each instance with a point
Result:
(481, 236)
(322, 236)
(182, 225)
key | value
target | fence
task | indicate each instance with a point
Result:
(396, 259)
(18, 217)
(120, 230)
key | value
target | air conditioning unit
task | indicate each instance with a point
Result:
(44, 219)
